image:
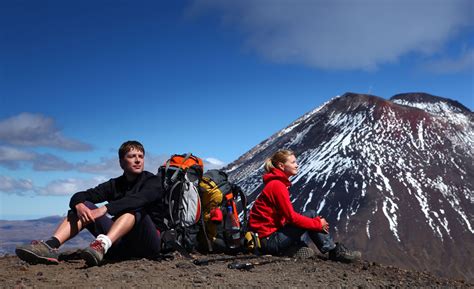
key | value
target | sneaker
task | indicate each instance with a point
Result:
(94, 254)
(38, 252)
(342, 254)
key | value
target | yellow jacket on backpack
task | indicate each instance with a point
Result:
(211, 197)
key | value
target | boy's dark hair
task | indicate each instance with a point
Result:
(128, 145)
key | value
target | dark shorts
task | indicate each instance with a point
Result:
(143, 240)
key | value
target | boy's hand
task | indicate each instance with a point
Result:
(87, 215)
(84, 214)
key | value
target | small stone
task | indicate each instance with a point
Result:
(184, 265)
(128, 274)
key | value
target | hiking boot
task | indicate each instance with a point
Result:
(38, 252)
(342, 254)
(94, 254)
(70, 255)
(300, 252)
(303, 253)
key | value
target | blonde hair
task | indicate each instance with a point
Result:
(280, 156)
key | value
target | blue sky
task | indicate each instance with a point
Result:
(77, 78)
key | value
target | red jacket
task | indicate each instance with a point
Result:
(273, 209)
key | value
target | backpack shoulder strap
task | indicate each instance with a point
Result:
(243, 200)
(172, 207)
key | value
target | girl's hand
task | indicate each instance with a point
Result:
(325, 225)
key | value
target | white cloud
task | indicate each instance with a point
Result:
(213, 163)
(14, 154)
(49, 162)
(106, 166)
(465, 62)
(342, 34)
(15, 186)
(27, 129)
(60, 187)
(12, 158)
(69, 186)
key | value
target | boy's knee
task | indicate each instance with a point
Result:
(90, 205)
(128, 216)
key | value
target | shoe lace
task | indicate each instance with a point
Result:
(97, 246)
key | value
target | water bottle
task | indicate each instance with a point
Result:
(232, 229)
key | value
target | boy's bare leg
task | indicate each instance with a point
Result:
(94, 254)
(68, 228)
(121, 227)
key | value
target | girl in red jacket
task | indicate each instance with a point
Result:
(279, 227)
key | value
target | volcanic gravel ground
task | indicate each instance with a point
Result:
(182, 272)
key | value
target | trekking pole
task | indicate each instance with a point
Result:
(206, 261)
(250, 265)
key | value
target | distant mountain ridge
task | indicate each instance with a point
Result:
(395, 178)
(13, 233)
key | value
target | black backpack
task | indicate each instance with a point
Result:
(222, 229)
